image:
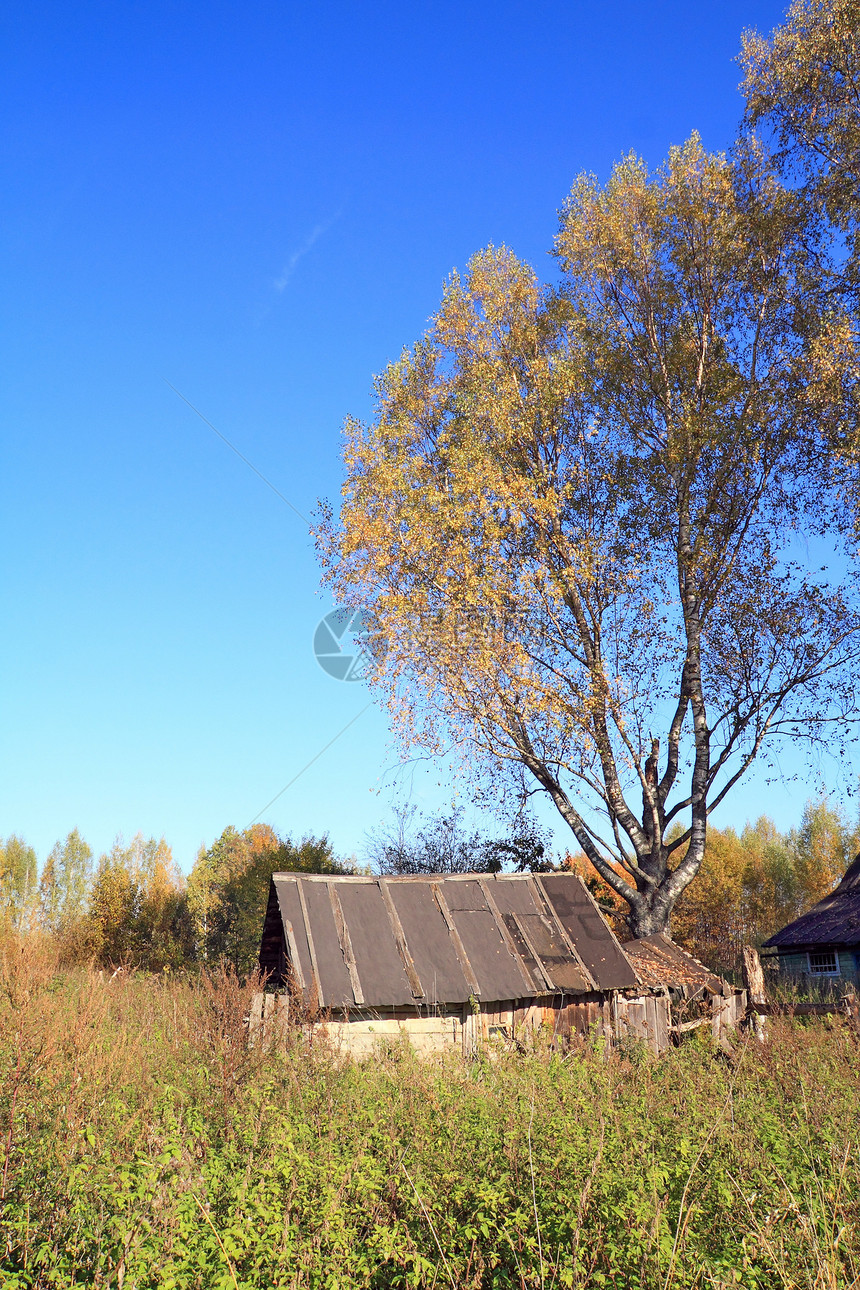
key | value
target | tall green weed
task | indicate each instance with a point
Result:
(142, 1144)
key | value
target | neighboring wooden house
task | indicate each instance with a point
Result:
(824, 944)
(452, 961)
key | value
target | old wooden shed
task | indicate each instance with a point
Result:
(453, 960)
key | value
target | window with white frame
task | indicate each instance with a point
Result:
(823, 963)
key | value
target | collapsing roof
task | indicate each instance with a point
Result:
(660, 962)
(835, 920)
(374, 942)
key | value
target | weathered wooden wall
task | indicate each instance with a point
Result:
(647, 1018)
(473, 1027)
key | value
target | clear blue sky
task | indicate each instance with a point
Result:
(258, 204)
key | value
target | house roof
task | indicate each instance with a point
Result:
(390, 942)
(659, 961)
(835, 920)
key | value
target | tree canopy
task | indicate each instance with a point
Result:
(137, 911)
(229, 886)
(581, 515)
(18, 871)
(444, 845)
(754, 882)
(64, 883)
(803, 86)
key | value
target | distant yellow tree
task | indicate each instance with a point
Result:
(138, 911)
(750, 885)
(64, 883)
(113, 907)
(164, 928)
(824, 846)
(712, 918)
(18, 874)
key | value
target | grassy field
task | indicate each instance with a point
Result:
(143, 1145)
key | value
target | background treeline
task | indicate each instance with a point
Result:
(133, 906)
(751, 884)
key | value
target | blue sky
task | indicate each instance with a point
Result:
(259, 205)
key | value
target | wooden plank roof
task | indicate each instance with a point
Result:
(835, 920)
(439, 938)
(659, 961)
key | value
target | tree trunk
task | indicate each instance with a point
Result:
(649, 918)
(754, 983)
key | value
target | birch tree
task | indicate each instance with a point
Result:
(581, 517)
(803, 87)
(18, 870)
(65, 881)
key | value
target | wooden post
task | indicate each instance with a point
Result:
(268, 1021)
(721, 1007)
(471, 1028)
(754, 982)
(255, 1020)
